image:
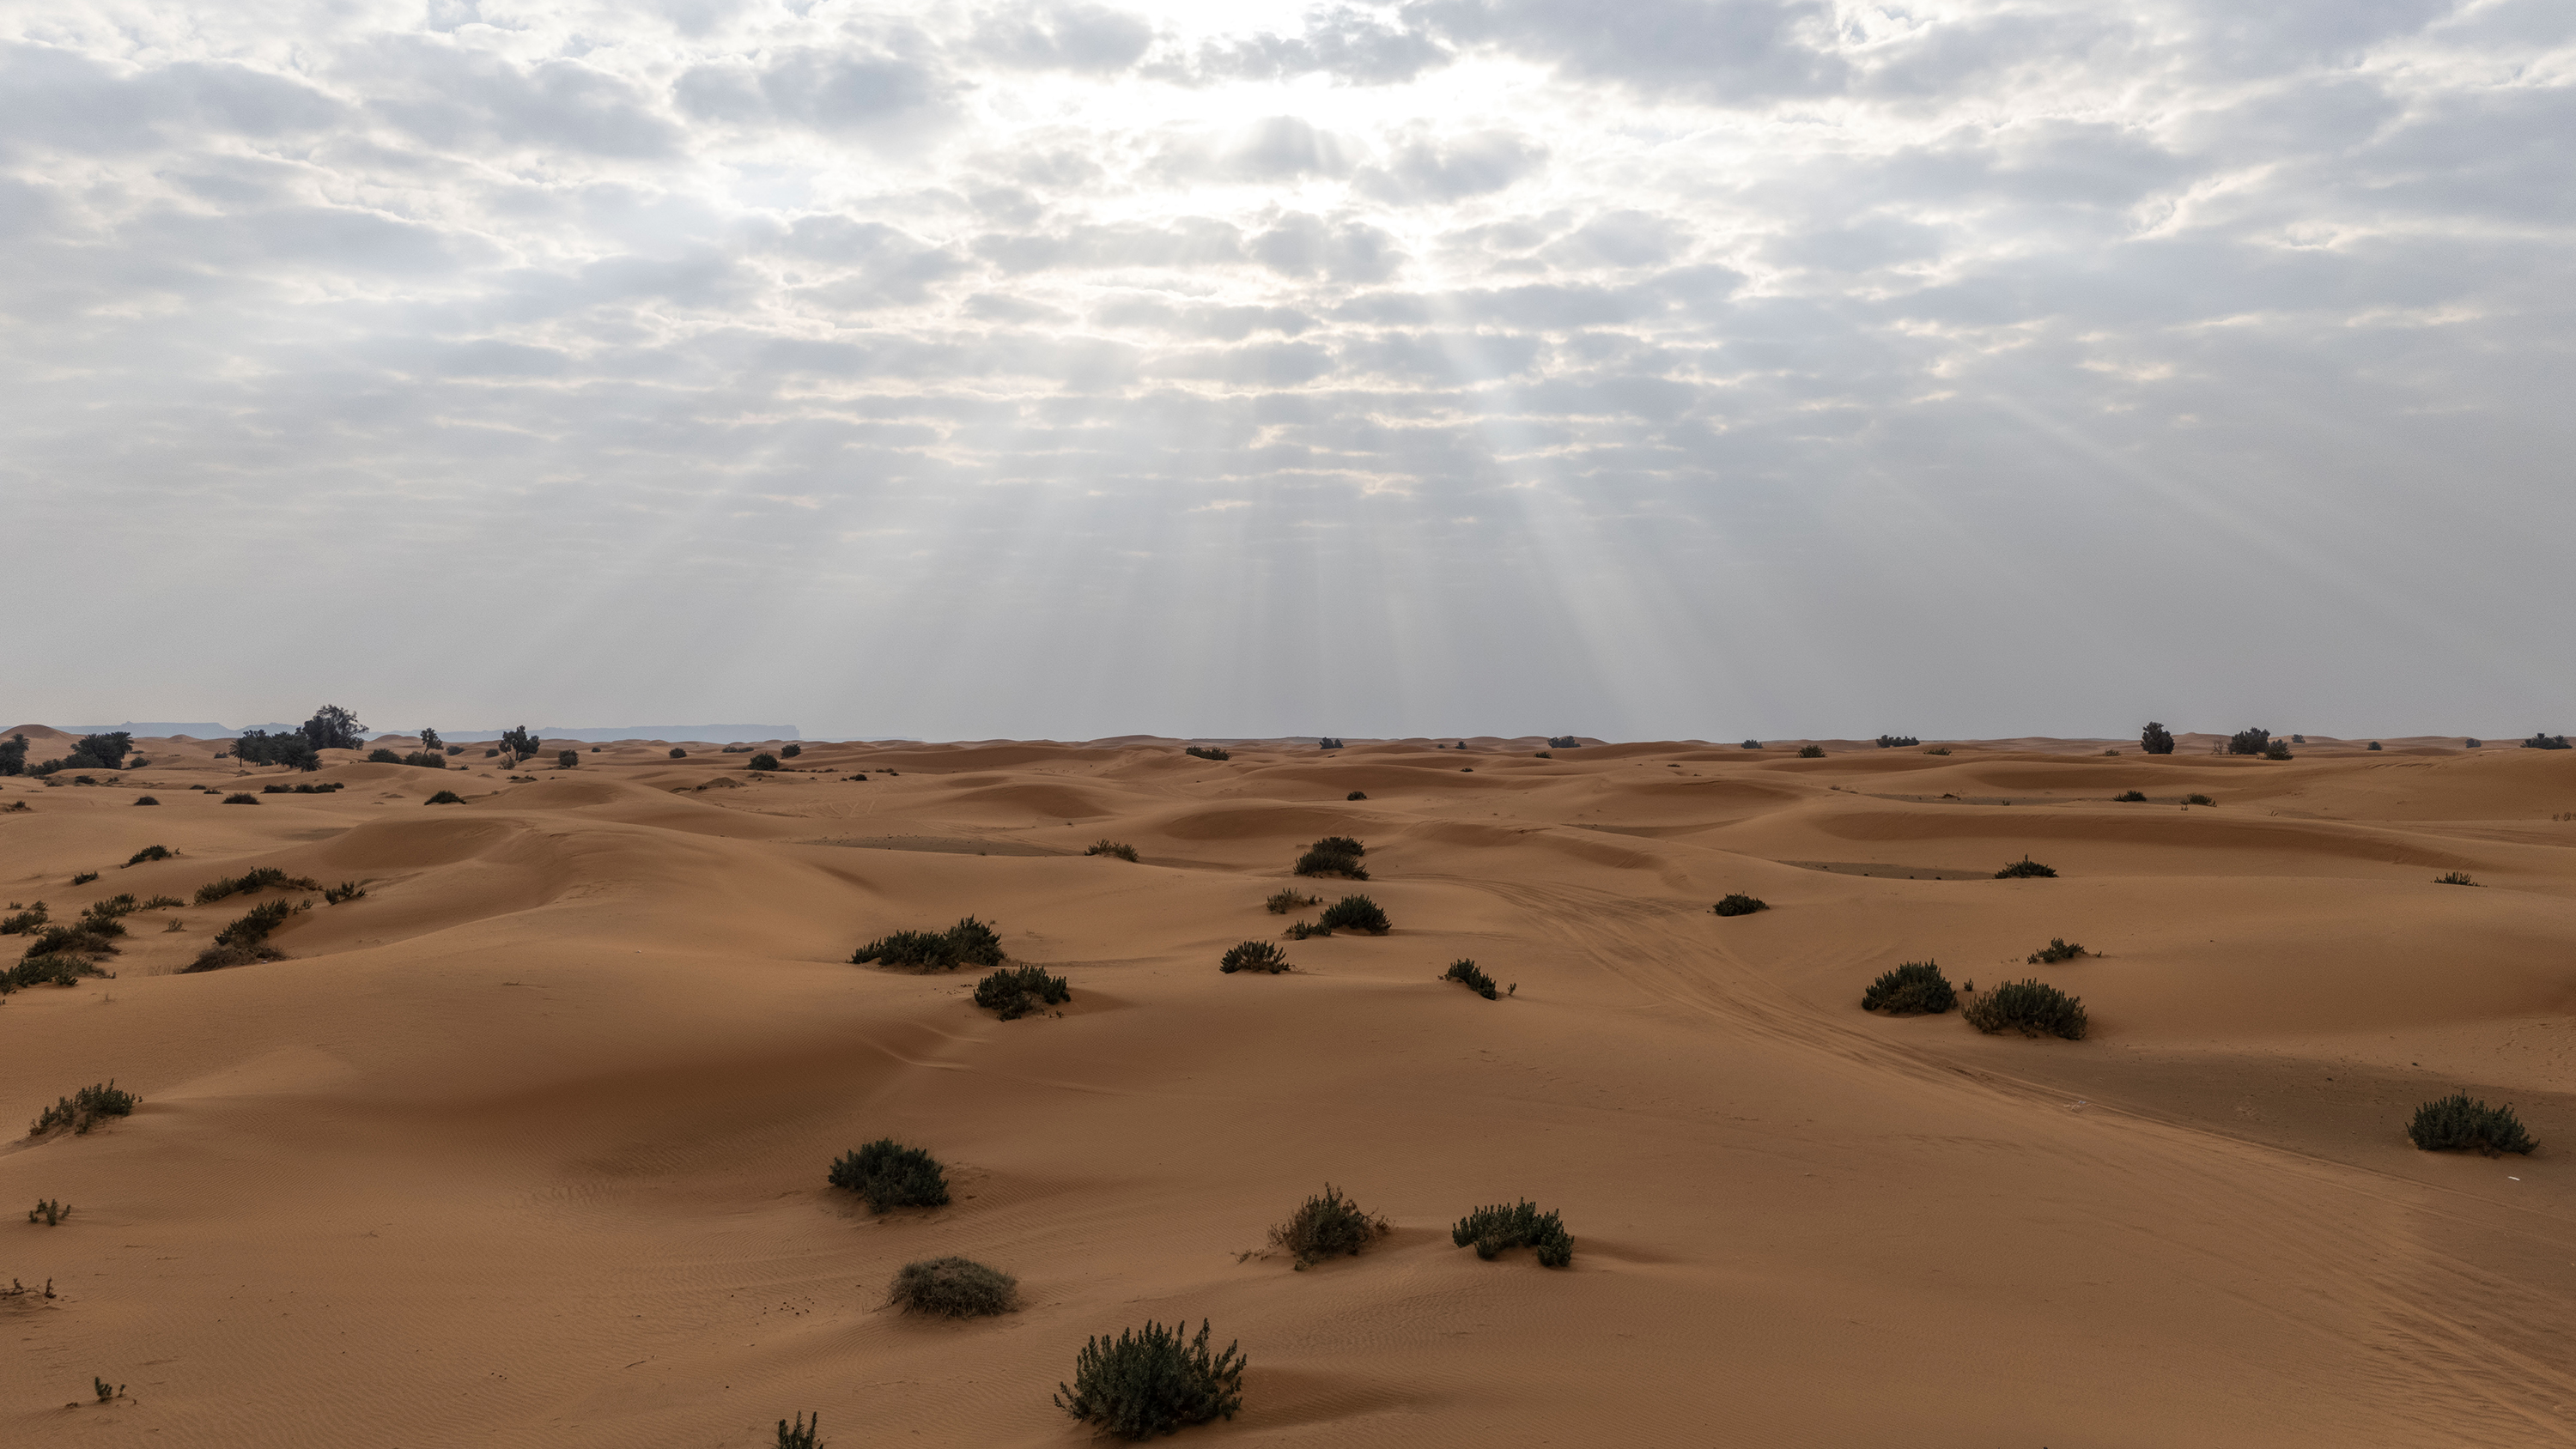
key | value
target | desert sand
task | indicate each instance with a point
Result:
(527, 1146)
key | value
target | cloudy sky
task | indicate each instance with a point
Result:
(1663, 368)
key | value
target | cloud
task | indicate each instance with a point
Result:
(1423, 172)
(1301, 245)
(1061, 36)
(837, 92)
(457, 99)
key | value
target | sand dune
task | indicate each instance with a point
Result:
(527, 1145)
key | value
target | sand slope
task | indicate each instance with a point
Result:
(527, 1146)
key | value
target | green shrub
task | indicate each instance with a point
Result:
(49, 1212)
(1752, 744)
(1327, 742)
(1151, 1382)
(1262, 956)
(26, 922)
(347, 890)
(2057, 949)
(2545, 742)
(803, 1436)
(1300, 930)
(1811, 752)
(518, 744)
(953, 1288)
(426, 760)
(241, 799)
(2455, 877)
(2472, 744)
(2198, 800)
(1282, 902)
(266, 877)
(968, 943)
(2130, 797)
(1210, 753)
(2033, 1008)
(2155, 740)
(383, 757)
(1464, 972)
(254, 926)
(1106, 846)
(102, 915)
(789, 752)
(2457, 1124)
(445, 797)
(1017, 991)
(1564, 742)
(149, 852)
(46, 970)
(2374, 744)
(1355, 913)
(1938, 750)
(891, 1175)
(159, 902)
(1739, 904)
(679, 754)
(1329, 862)
(2026, 869)
(89, 938)
(84, 877)
(217, 958)
(1340, 845)
(1329, 1226)
(1916, 988)
(2249, 742)
(764, 762)
(82, 1109)
(145, 800)
(1889, 742)
(1496, 1230)
(13, 755)
(2277, 750)
(1356, 795)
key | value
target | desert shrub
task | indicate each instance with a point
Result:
(1208, 754)
(1938, 750)
(2249, 742)
(489, 754)
(1495, 1230)
(2198, 800)
(789, 752)
(26, 922)
(2127, 797)
(2472, 744)
(1739, 904)
(1151, 1382)
(84, 877)
(1564, 742)
(2454, 877)
(145, 800)
(274, 790)
(1328, 1226)
(426, 759)
(1355, 913)
(241, 799)
(2277, 750)
(1017, 991)
(89, 938)
(82, 1109)
(2545, 742)
(383, 757)
(764, 762)
(266, 877)
(2457, 1124)
(968, 943)
(149, 852)
(259, 747)
(253, 927)
(518, 744)
(13, 755)
(891, 1175)
(1889, 742)
(1466, 974)
(2033, 1008)
(1356, 795)
(1106, 846)
(2058, 949)
(803, 1436)
(953, 1288)
(160, 902)
(1282, 902)
(49, 1212)
(102, 915)
(735, 750)
(568, 759)
(1811, 752)
(1752, 744)
(217, 958)
(1331, 862)
(2026, 869)
(1916, 988)
(46, 970)
(1300, 930)
(347, 890)
(1327, 742)
(1262, 956)
(445, 797)
(678, 754)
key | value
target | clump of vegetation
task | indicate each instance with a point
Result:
(764, 762)
(679, 754)
(383, 757)
(1355, 913)
(1890, 742)
(2058, 949)
(2249, 742)
(1466, 974)
(266, 877)
(2473, 744)
(2198, 800)
(149, 852)
(1938, 750)
(2026, 869)
(161, 902)
(891, 1175)
(1564, 742)
(145, 800)
(13, 755)
(46, 970)
(1916, 988)
(1327, 742)
(1282, 902)
(1334, 855)
(1262, 956)
(953, 1288)
(1811, 752)
(1495, 1230)
(803, 1436)
(83, 1109)
(1152, 1382)
(445, 797)
(426, 760)
(1328, 1226)
(2033, 1008)
(2374, 744)
(1356, 795)
(24, 923)
(2458, 1124)
(253, 927)
(2130, 797)
(1106, 846)
(1752, 744)
(2155, 739)
(1300, 930)
(2545, 742)
(241, 798)
(88, 938)
(2455, 877)
(1017, 991)
(1208, 754)
(217, 958)
(968, 943)
(49, 1212)
(84, 877)
(1737, 903)
(2277, 750)
(347, 890)
(789, 752)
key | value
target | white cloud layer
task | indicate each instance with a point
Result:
(1679, 367)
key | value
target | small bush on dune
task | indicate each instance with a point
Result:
(253, 926)
(2031, 1007)
(1208, 754)
(1466, 974)
(2545, 742)
(1321, 862)
(2457, 1124)
(1340, 845)
(1739, 904)
(1356, 795)
(1017, 991)
(1495, 1230)
(161, 902)
(1916, 988)
(2155, 739)
(2057, 949)
(679, 754)
(1152, 1382)
(1327, 742)
(1300, 930)
(953, 1288)
(241, 799)
(1752, 744)
(145, 800)
(2277, 750)
(968, 943)
(2456, 877)
(82, 1109)
(789, 752)
(2249, 742)
(46, 970)
(84, 877)
(1106, 846)
(1355, 913)
(1262, 956)
(1890, 742)
(347, 890)
(89, 938)
(266, 877)
(2026, 869)
(2374, 744)
(1564, 742)
(763, 762)
(445, 797)
(891, 1175)
(426, 760)
(383, 757)
(2198, 800)
(49, 1212)
(26, 922)
(218, 958)
(1811, 752)
(803, 1435)
(149, 852)
(571, 759)
(2130, 797)
(1282, 902)
(1329, 1226)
